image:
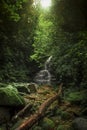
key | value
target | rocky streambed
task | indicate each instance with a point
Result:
(18, 102)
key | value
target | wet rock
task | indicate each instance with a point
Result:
(9, 96)
(79, 124)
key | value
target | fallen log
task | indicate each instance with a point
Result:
(40, 113)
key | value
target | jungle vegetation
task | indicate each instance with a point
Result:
(30, 34)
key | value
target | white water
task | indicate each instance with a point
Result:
(44, 76)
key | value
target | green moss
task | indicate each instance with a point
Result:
(65, 115)
(47, 124)
(10, 97)
(63, 127)
(37, 128)
(60, 127)
(77, 97)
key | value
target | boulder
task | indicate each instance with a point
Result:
(79, 124)
(9, 96)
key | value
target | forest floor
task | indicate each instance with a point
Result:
(58, 116)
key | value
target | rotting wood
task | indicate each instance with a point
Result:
(40, 113)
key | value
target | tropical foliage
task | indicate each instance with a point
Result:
(29, 35)
(17, 22)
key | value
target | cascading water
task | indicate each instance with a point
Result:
(44, 76)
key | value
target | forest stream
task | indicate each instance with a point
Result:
(43, 65)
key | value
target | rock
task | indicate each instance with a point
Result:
(32, 87)
(37, 128)
(63, 127)
(47, 124)
(79, 124)
(4, 115)
(65, 115)
(10, 97)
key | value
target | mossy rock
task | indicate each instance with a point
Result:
(78, 98)
(10, 97)
(63, 127)
(47, 124)
(37, 128)
(60, 127)
(65, 115)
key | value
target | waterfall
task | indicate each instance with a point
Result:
(47, 63)
(44, 76)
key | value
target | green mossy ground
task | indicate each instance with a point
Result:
(58, 116)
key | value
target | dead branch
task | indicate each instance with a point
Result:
(40, 113)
